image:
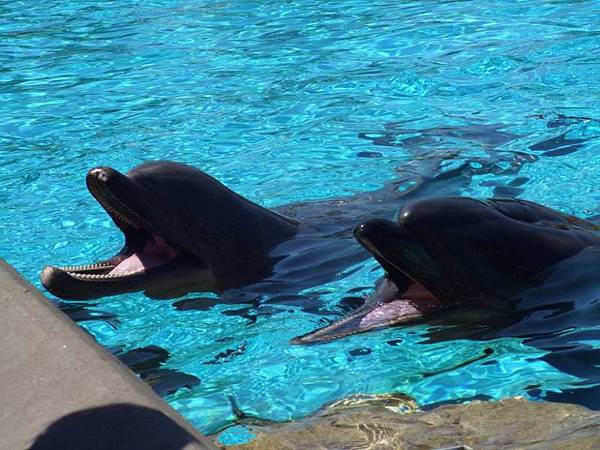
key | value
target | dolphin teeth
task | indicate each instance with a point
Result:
(119, 210)
(86, 267)
(100, 277)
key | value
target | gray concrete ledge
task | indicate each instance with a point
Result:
(59, 389)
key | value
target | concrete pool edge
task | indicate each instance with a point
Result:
(59, 386)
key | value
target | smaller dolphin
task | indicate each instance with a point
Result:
(184, 231)
(449, 251)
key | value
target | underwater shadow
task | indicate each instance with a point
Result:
(147, 362)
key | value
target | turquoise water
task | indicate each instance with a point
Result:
(294, 101)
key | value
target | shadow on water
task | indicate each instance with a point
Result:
(84, 311)
(562, 144)
(395, 135)
(147, 363)
(113, 427)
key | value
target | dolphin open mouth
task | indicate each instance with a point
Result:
(399, 297)
(386, 307)
(444, 252)
(146, 250)
(184, 232)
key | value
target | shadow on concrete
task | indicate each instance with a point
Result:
(114, 427)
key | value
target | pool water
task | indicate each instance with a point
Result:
(289, 102)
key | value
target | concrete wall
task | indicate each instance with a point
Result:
(60, 390)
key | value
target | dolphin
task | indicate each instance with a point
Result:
(184, 231)
(446, 252)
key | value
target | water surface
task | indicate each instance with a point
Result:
(294, 101)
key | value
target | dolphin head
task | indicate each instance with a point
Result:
(449, 251)
(183, 230)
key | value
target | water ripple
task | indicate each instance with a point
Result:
(287, 102)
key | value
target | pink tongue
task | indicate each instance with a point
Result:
(132, 264)
(155, 253)
(415, 301)
(383, 313)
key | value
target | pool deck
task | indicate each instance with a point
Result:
(59, 389)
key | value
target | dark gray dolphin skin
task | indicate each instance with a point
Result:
(444, 252)
(184, 231)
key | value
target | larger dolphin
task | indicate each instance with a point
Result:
(445, 252)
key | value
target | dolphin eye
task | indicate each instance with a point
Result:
(404, 217)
